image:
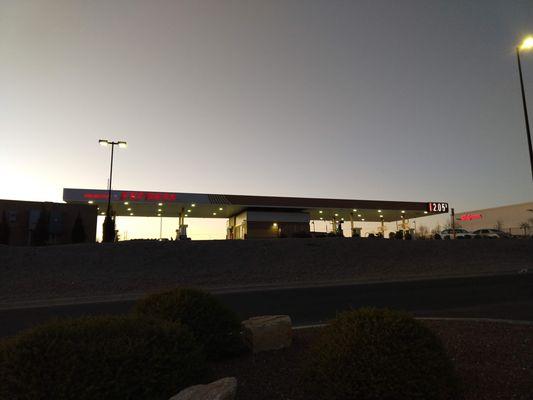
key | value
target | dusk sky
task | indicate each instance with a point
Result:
(393, 100)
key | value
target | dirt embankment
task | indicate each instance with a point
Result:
(130, 268)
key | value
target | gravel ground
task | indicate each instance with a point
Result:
(493, 360)
(137, 267)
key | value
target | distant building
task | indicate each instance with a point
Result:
(506, 218)
(23, 219)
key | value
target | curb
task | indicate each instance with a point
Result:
(493, 320)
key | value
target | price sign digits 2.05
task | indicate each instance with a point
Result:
(438, 207)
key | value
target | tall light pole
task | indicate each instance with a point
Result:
(527, 44)
(109, 223)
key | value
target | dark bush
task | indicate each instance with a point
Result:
(4, 229)
(301, 235)
(41, 232)
(100, 358)
(211, 322)
(78, 231)
(379, 354)
(108, 228)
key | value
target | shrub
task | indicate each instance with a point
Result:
(379, 354)
(108, 228)
(4, 229)
(301, 235)
(41, 232)
(78, 234)
(100, 358)
(211, 322)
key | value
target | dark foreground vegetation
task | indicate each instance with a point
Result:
(212, 323)
(182, 337)
(370, 353)
(493, 361)
(100, 358)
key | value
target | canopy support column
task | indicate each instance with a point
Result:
(181, 232)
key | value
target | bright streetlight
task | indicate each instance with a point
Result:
(109, 226)
(527, 44)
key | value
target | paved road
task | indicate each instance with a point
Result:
(502, 297)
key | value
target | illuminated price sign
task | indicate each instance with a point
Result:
(438, 207)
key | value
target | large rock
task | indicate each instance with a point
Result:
(269, 332)
(223, 389)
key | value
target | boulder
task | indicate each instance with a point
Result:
(269, 332)
(223, 389)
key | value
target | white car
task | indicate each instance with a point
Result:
(460, 233)
(491, 234)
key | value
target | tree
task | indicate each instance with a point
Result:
(108, 233)
(78, 231)
(448, 225)
(422, 231)
(41, 233)
(436, 230)
(4, 229)
(525, 226)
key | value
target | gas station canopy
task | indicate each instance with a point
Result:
(198, 205)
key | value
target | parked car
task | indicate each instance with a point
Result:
(460, 233)
(491, 234)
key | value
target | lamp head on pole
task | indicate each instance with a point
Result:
(103, 142)
(527, 44)
(122, 144)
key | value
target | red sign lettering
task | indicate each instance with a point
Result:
(95, 196)
(470, 217)
(148, 196)
(133, 196)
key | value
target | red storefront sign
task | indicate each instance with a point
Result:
(133, 196)
(95, 196)
(148, 196)
(470, 217)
